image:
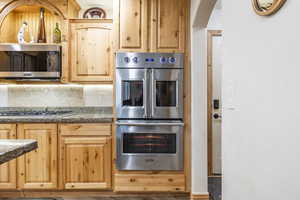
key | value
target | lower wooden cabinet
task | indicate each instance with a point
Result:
(86, 156)
(75, 157)
(8, 179)
(149, 183)
(38, 169)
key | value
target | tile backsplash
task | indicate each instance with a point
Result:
(56, 95)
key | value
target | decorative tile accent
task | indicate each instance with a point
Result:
(95, 95)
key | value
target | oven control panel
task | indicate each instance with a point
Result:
(149, 60)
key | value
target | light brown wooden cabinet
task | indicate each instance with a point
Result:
(38, 169)
(85, 152)
(131, 24)
(91, 50)
(150, 25)
(149, 182)
(168, 25)
(8, 179)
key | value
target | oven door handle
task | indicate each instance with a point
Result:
(150, 123)
(145, 93)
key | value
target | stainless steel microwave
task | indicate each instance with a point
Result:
(30, 61)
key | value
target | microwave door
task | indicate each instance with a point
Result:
(167, 93)
(131, 93)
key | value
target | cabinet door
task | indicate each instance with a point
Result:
(168, 24)
(131, 24)
(86, 162)
(8, 170)
(38, 169)
(91, 55)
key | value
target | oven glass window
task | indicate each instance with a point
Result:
(166, 93)
(132, 93)
(149, 143)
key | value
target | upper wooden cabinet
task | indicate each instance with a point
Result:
(131, 24)
(38, 169)
(8, 170)
(168, 25)
(91, 51)
(154, 25)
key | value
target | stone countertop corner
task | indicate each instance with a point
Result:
(11, 149)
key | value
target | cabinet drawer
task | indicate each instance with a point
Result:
(153, 183)
(85, 129)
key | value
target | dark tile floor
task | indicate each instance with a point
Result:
(215, 187)
(104, 198)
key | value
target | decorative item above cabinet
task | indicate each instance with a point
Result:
(94, 13)
(267, 7)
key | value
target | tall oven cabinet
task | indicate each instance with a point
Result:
(150, 25)
(168, 25)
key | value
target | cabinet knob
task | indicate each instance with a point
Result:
(132, 180)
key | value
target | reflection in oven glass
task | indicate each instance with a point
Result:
(132, 93)
(166, 93)
(149, 143)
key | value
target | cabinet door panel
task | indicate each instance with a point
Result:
(168, 25)
(131, 24)
(8, 170)
(86, 162)
(91, 52)
(38, 169)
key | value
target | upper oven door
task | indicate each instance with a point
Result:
(131, 94)
(167, 93)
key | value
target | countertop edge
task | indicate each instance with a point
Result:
(18, 151)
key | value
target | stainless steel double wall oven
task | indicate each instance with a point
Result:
(149, 107)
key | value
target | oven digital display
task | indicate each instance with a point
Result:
(149, 143)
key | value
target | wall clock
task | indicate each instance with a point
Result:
(267, 7)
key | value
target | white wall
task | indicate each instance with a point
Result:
(215, 20)
(261, 133)
(200, 13)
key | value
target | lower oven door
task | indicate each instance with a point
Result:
(149, 145)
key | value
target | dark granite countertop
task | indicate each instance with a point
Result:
(11, 149)
(56, 115)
